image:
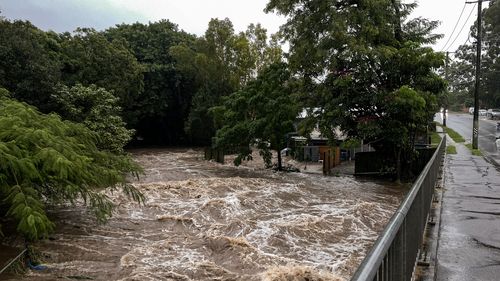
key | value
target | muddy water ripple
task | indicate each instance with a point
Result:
(205, 221)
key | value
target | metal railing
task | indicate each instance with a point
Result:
(23, 252)
(394, 254)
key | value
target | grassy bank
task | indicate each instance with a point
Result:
(451, 149)
(475, 152)
(454, 135)
(459, 139)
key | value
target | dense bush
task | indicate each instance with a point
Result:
(98, 110)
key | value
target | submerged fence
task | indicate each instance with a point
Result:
(394, 255)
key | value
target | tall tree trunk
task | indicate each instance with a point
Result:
(280, 167)
(397, 21)
(398, 165)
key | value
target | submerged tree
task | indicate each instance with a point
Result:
(261, 114)
(44, 160)
(359, 60)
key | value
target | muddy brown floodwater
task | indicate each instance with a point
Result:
(206, 221)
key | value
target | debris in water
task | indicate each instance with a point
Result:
(174, 218)
(79, 277)
(298, 273)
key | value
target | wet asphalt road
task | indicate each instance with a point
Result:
(462, 124)
(469, 242)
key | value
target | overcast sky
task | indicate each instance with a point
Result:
(193, 15)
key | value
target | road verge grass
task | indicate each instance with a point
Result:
(456, 137)
(459, 139)
(475, 152)
(451, 149)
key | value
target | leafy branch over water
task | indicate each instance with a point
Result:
(45, 160)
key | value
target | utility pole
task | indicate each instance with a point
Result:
(445, 101)
(475, 125)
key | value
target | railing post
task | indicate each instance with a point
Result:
(394, 254)
(397, 250)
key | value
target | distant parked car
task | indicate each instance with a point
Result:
(471, 110)
(493, 114)
(482, 112)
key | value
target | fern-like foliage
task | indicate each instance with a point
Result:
(44, 159)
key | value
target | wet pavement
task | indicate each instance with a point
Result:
(469, 243)
(462, 124)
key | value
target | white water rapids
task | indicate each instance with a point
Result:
(206, 221)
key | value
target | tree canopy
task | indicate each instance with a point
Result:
(87, 58)
(361, 61)
(261, 114)
(98, 110)
(159, 112)
(165, 79)
(220, 63)
(461, 73)
(29, 62)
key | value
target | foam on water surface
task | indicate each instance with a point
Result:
(206, 221)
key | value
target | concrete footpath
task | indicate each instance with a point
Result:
(469, 235)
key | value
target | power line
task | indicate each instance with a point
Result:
(461, 29)
(465, 43)
(468, 39)
(454, 28)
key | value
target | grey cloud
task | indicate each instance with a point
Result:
(67, 15)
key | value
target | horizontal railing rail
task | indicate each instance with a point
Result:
(394, 254)
(8, 264)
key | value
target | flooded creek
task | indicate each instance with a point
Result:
(206, 221)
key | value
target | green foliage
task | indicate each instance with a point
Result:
(366, 69)
(350, 144)
(4, 93)
(405, 115)
(29, 62)
(260, 114)
(220, 63)
(46, 160)
(491, 63)
(264, 52)
(98, 110)
(159, 112)
(89, 58)
(461, 78)
(461, 74)
(165, 79)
